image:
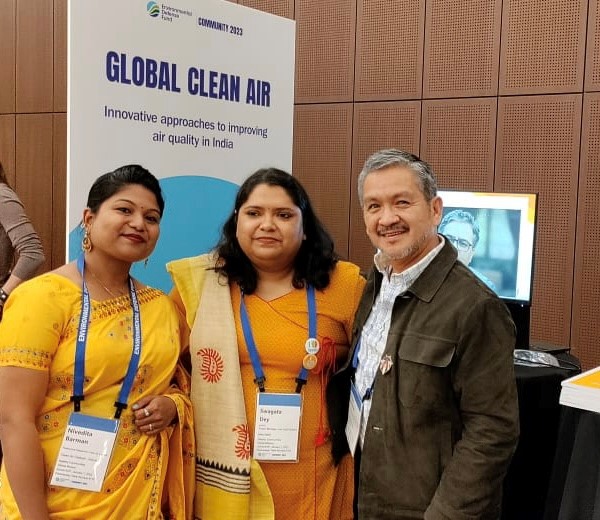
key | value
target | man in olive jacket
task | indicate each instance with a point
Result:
(427, 400)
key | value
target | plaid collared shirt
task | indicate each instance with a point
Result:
(375, 330)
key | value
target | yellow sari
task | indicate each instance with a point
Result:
(147, 475)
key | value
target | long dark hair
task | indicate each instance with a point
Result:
(315, 259)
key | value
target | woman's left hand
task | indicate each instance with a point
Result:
(154, 413)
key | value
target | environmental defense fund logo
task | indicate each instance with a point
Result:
(153, 9)
(166, 13)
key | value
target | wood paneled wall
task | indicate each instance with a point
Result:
(498, 95)
(495, 94)
(33, 93)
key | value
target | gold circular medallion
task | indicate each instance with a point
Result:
(310, 361)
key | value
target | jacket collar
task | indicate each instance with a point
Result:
(424, 288)
(428, 283)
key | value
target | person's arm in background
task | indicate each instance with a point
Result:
(25, 242)
(22, 393)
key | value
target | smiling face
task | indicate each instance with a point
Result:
(126, 226)
(269, 228)
(399, 220)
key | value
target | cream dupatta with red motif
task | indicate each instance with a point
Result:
(229, 483)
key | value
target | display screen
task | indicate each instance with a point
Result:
(494, 234)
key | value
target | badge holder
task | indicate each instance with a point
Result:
(85, 452)
(279, 415)
(356, 401)
(277, 427)
(355, 409)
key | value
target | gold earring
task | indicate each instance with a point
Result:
(86, 243)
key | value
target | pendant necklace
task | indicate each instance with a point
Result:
(121, 292)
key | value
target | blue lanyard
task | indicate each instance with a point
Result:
(82, 333)
(251, 344)
(369, 391)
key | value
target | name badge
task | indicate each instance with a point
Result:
(355, 407)
(277, 427)
(85, 452)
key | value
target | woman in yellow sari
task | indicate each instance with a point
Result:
(273, 292)
(87, 345)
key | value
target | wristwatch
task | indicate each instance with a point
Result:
(3, 297)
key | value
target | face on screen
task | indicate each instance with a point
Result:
(463, 239)
(501, 226)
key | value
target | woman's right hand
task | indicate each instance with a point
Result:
(154, 413)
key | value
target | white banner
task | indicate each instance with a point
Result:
(201, 93)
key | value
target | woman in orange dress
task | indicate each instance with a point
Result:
(270, 314)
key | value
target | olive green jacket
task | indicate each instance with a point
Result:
(444, 419)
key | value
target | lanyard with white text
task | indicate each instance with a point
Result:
(82, 333)
(253, 351)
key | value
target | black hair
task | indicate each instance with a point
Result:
(3, 178)
(315, 259)
(393, 157)
(110, 183)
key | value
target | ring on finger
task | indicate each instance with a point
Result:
(151, 428)
(146, 412)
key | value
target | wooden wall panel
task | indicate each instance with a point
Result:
(60, 56)
(592, 61)
(324, 50)
(389, 49)
(378, 126)
(458, 139)
(7, 146)
(462, 48)
(7, 56)
(34, 174)
(322, 162)
(585, 325)
(34, 76)
(374, 50)
(59, 189)
(537, 150)
(543, 46)
(283, 8)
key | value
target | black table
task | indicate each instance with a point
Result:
(528, 477)
(574, 492)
